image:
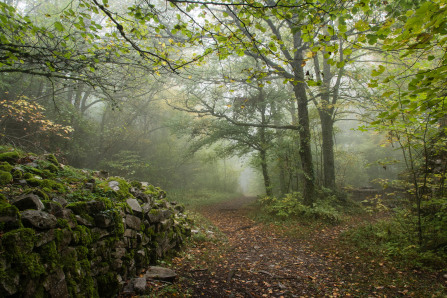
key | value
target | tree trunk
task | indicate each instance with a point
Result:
(327, 130)
(263, 146)
(326, 111)
(282, 178)
(305, 141)
(265, 174)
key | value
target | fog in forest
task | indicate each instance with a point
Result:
(318, 113)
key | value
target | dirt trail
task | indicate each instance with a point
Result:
(259, 262)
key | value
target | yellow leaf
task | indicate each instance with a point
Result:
(310, 54)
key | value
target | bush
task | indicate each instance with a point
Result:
(397, 239)
(291, 206)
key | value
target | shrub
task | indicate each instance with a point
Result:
(396, 238)
(291, 206)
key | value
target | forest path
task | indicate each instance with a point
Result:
(259, 261)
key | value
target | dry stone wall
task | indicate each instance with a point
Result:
(80, 237)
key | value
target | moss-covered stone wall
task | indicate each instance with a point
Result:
(66, 232)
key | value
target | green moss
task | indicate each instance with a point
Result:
(51, 158)
(136, 184)
(3, 198)
(121, 194)
(82, 235)
(79, 208)
(18, 246)
(107, 202)
(47, 183)
(32, 264)
(17, 174)
(39, 172)
(69, 259)
(118, 220)
(28, 176)
(20, 241)
(71, 286)
(7, 210)
(40, 193)
(62, 223)
(154, 211)
(80, 195)
(52, 168)
(82, 252)
(5, 178)
(150, 231)
(12, 156)
(40, 292)
(58, 234)
(5, 166)
(49, 254)
(71, 174)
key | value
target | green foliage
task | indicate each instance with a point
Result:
(71, 174)
(291, 207)
(396, 239)
(126, 163)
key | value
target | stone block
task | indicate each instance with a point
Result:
(56, 285)
(134, 206)
(133, 222)
(28, 201)
(103, 220)
(161, 273)
(38, 219)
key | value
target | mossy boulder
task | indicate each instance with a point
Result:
(5, 178)
(9, 217)
(10, 157)
(116, 187)
(46, 183)
(5, 166)
(18, 247)
(17, 173)
(89, 207)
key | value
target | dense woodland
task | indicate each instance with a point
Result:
(299, 102)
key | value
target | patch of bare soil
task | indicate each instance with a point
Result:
(259, 261)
